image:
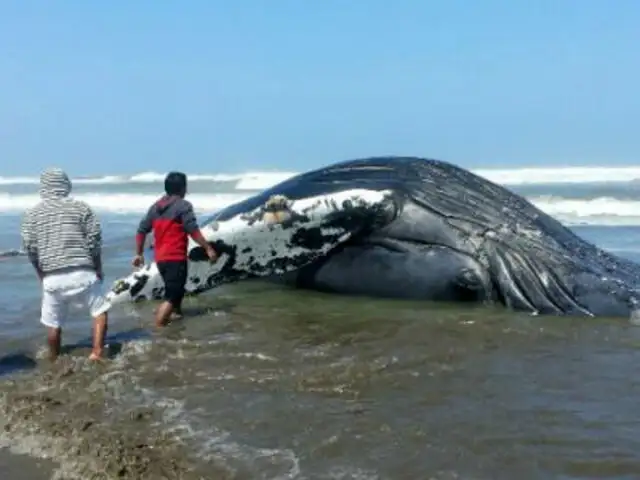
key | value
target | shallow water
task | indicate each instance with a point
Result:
(23, 467)
(263, 382)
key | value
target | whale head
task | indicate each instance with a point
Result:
(278, 235)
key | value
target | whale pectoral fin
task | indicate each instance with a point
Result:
(142, 284)
(120, 286)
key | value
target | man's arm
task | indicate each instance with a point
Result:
(29, 242)
(143, 230)
(190, 224)
(93, 236)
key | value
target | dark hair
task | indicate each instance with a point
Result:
(175, 183)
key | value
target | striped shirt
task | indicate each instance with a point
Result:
(60, 233)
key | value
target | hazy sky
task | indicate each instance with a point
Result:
(119, 86)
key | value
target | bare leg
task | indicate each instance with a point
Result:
(176, 313)
(54, 340)
(100, 325)
(177, 310)
(163, 314)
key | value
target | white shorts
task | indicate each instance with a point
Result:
(60, 291)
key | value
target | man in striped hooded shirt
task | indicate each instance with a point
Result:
(63, 240)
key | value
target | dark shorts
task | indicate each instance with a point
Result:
(174, 275)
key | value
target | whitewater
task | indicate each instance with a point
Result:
(574, 195)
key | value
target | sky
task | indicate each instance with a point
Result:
(212, 86)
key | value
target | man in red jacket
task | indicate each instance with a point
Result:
(172, 221)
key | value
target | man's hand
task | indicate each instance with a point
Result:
(138, 261)
(100, 275)
(212, 254)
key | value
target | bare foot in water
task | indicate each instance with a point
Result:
(173, 316)
(95, 357)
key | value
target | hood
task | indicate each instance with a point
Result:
(165, 202)
(54, 183)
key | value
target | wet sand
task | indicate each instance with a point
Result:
(260, 382)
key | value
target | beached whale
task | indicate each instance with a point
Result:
(405, 227)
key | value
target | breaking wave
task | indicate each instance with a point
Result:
(594, 211)
(132, 194)
(259, 180)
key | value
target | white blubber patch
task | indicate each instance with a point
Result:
(263, 242)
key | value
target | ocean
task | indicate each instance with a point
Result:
(263, 382)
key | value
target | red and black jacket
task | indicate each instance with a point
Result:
(172, 220)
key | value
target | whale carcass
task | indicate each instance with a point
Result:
(404, 227)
